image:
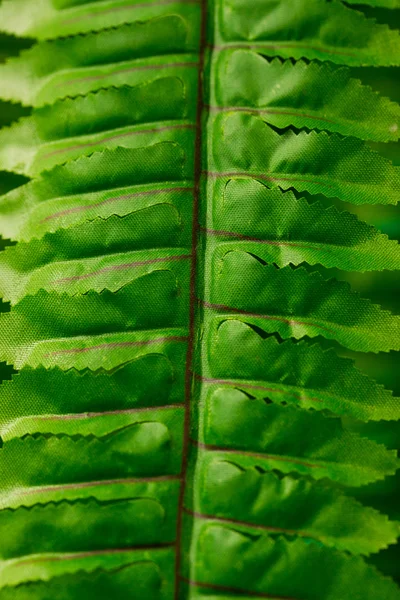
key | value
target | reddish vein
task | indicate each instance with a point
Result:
(252, 386)
(286, 459)
(257, 526)
(248, 238)
(138, 263)
(130, 70)
(76, 209)
(105, 482)
(235, 590)
(270, 111)
(239, 311)
(118, 136)
(112, 345)
(91, 415)
(263, 177)
(78, 555)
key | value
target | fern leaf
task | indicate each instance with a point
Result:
(168, 428)
(92, 315)
(153, 566)
(55, 392)
(92, 180)
(67, 211)
(279, 569)
(299, 374)
(309, 305)
(99, 120)
(127, 55)
(313, 162)
(59, 18)
(284, 230)
(154, 524)
(151, 573)
(142, 445)
(255, 501)
(255, 433)
(275, 91)
(312, 29)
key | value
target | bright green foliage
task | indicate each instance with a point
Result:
(295, 303)
(49, 19)
(88, 118)
(148, 570)
(285, 230)
(317, 162)
(275, 91)
(130, 387)
(273, 437)
(282, 567)
(301, 374)
(129, 55)
(182, 422)
(263, 501)
(307, 29)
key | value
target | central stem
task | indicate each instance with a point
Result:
(192, 297)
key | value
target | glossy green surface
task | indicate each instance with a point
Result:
(196, 397)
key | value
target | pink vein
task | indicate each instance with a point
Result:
(138, 263)
(105, 482)
(258, 526)
(118, 136)
(130, 70)
(249, 238)
(172, 338)
(252, 386)
(68, 211)
(89, 553)
(261, 46)
(216, 174)
(270, 111)
(262, 455)
(260, 316)
(90, 415)
(234, 590)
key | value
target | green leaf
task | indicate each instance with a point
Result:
(152, 568)
(67, 211)
(345, 168)
(97, 448)
(312, 29)
(254, 501)
(252, 432)
(281, 229)
(51, 317)
(49, 19)
(127, 55)
(53, 392)
(300, 374)
(279, 569)
(165, 429)
(107, 351)
(275, 91)
(93, 122)
(108, 271)
(296, 303)
(148, 575)
(84, 526)
(90, 181)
